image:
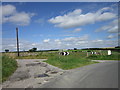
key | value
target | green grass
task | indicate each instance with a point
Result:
(79, 59)
(69, 62)
(9, 65)
(104, 57)
(114, 56)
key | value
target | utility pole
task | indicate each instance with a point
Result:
(17, 41)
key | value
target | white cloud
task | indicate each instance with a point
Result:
(103, 28)
(111, 36)
(97, 40)
(57, 40)
(113, 29)
(46, 40)
(77, 30)
(71, 39)
(10, 14)
(34, 44)
(72, 32)
(8, 10)
(20, 18)
(105, 16)
(76, 18)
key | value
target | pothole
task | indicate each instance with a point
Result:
(42, 75)
(39, 83)
(43, 65)
(33, 64)
(54, 72)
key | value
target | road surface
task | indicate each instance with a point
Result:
(100, 75)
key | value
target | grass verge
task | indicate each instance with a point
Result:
(9, 65)
(69, 62)
(104, 57)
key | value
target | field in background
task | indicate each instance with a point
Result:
(30, 55)
(81, 53)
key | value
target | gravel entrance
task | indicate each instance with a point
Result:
(32, 73)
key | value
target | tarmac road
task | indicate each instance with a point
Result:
(100, 75)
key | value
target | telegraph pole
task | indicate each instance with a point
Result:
(17, 41)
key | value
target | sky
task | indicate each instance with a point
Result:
(59, 25)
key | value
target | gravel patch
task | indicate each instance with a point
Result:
(32, 73)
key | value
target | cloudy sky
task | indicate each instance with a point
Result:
(60, 25)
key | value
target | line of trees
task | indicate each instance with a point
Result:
(30, 50)
(35, 49)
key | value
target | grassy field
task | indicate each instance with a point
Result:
(9, 65)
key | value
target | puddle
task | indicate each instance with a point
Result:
(42, 75)
(43, 65)
(54, 72)
(33, 64)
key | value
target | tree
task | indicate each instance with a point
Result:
(117, 47)
(33, 50)
(75, 48)
(6, 50)
(30, 50)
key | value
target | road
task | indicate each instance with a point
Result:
(100, 75)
